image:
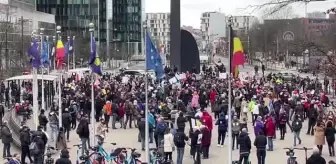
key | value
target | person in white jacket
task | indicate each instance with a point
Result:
(168, 145)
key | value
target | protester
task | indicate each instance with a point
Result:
(169, 146)
(316, 157)
(330, 137)
(7, 139)
(260, 143)
(222, 129)
(180, 139)
(244, 142)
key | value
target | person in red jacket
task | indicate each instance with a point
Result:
(270, 132)
(207, 121)
(121, 113)
(212, 98)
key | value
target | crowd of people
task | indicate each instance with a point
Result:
(271, 104)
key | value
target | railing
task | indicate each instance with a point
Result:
(14, 126)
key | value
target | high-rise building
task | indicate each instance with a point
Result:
(213, 25)
(158, 25)
(123, 19)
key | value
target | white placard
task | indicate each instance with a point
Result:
(125, 79)
(173, 80)
(222, 75)
(182, 76)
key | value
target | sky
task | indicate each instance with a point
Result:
(191, 10)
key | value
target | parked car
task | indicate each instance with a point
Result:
(304, 70)
(287, 76)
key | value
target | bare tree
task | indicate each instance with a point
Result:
(286, 12)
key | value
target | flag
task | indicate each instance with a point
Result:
(237, 53)
(60, 53)
(94, 61)
(153, 58)
(33, 52)
(45, 53)
(69, 48)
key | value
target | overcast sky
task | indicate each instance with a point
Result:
(191, 9)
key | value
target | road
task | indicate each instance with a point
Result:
(128, 138)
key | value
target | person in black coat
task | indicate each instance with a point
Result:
(7, 139)
(260, 143)
(43, 120)
(64, 157)
(25, 141)
(244, 142)
(180, 121)
(316, 157)
(330, 137)
(66, 122)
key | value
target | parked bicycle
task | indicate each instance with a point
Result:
(291, 154)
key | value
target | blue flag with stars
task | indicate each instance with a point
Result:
(94, 60)
(153, 58)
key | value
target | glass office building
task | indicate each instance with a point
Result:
(123, 18)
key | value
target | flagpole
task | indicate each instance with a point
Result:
(42, 68)
(54, 52)
(59, 28)
(48, 49)
(146, 96)
(35, 91)
(73, 53)
(68, 50)
(230, 95)
(93, 131)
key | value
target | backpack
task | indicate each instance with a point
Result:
(179, 139)
(79, 129)
(161, 128)
(33, 148)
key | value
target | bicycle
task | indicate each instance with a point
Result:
(97, 157)
(290, 153)
(155, 157)
(133, 158)
(48, 154)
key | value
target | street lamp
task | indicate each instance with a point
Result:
(305, 53)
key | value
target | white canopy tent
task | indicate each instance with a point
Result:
(30, 77)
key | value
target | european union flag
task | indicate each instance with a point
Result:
(69, 48)
(94, 61)
(33, 52)
(153, 58)
(45, 53)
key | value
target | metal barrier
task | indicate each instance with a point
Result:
(14, 127)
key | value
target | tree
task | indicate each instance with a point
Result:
(286, 12)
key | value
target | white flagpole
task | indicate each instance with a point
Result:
(230, 98)
(35, 92)
(146, 97)
(68, 53)
(59, 28)
(73, 53)
(93, 126)
(42, 70)
(53, 53)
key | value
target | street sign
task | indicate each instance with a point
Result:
(288, 36)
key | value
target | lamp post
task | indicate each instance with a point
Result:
(42, 68)
(230, 96)
(73, 53)
(68, 55)
(91, 29)
(58, 31)
(305, 53)
(54, 51)
(35, 89)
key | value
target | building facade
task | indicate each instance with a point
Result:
(158, 25)
(213, 25)
(17, 22)
(118, 21)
